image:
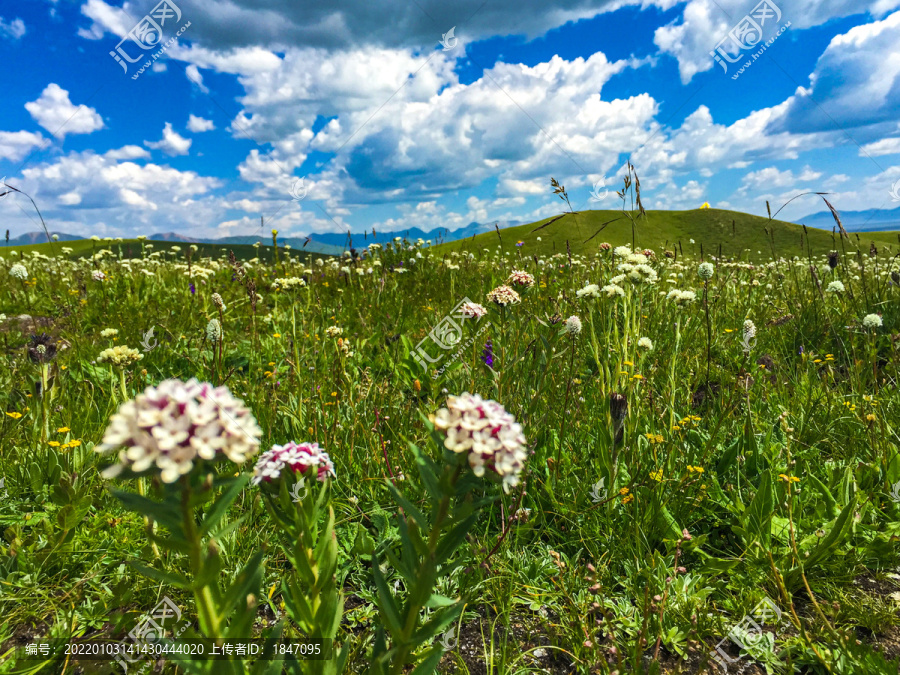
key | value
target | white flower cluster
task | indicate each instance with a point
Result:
(681, 298)
(589, 291)
(213, 330)
(487, 432)
(613, 291)
(835, 287)
(174, 425)
(288, 284)
(645, 343)
(638, 273)
(503, 296)
(218, 302)
(334, 331)
(520, 278)
(621, 251)
(872, 321)
(472, 310)
(18, 271)
(573, 325)
(120, 356)
(109, 332)
(706, 271)
(298, 457)
(749, 330)
(97, 275)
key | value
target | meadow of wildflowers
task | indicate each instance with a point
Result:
(470, 461)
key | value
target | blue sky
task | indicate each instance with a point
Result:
(362, 111)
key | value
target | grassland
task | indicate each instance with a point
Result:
(739, 235)
(682, 467)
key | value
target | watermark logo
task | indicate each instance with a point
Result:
(895, 492)
(598, 491)
(449, 40)
(748, 632)
(447, 335)
(146, 340)
(895, 191)
(152, 626)
(598, 194)
(299, 490)
(746, 34)
(449, 639)
(146, 35)
(299, 190)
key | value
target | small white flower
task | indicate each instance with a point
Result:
(18, 271)
(706, 271)
(590, 291)
(872, 321)
(645, 343)
(835, 287)
(573, 325)
(613, 290)
(213, 330)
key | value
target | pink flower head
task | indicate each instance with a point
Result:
(296, 457)
(489, 435)
(520, 278)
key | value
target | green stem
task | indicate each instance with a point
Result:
(210, 623)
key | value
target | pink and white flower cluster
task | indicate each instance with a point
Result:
(174, 425)
(520, 278)
(296, 457)
(488, 433)
(472, 310)
(503, 296)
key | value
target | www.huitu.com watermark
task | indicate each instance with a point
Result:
(747, 34)
(147, 35)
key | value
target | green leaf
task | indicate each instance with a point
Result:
(831, 506)
(832, 540)
(407, 506)
(247, 581)
(757, 518)
(163, 512)
(667, 523)
(429, 665)
(452, 540)
(221, 505)
(67, 517)
(440, 601)
(363, 544)
(385, 600)
(728, 457)
(167, 578)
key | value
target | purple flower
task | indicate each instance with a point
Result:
(801, 351)
(193, 289)
(488, 354)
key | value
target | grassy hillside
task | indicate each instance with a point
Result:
(132, 248)
(739, 235)
(733, 231)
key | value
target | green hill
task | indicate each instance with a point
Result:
(739, 235)
(735, 232)
(131, 248)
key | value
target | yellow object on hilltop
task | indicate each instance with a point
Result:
(705, 205)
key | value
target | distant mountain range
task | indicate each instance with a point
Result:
(869, 220)
(328, 243)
